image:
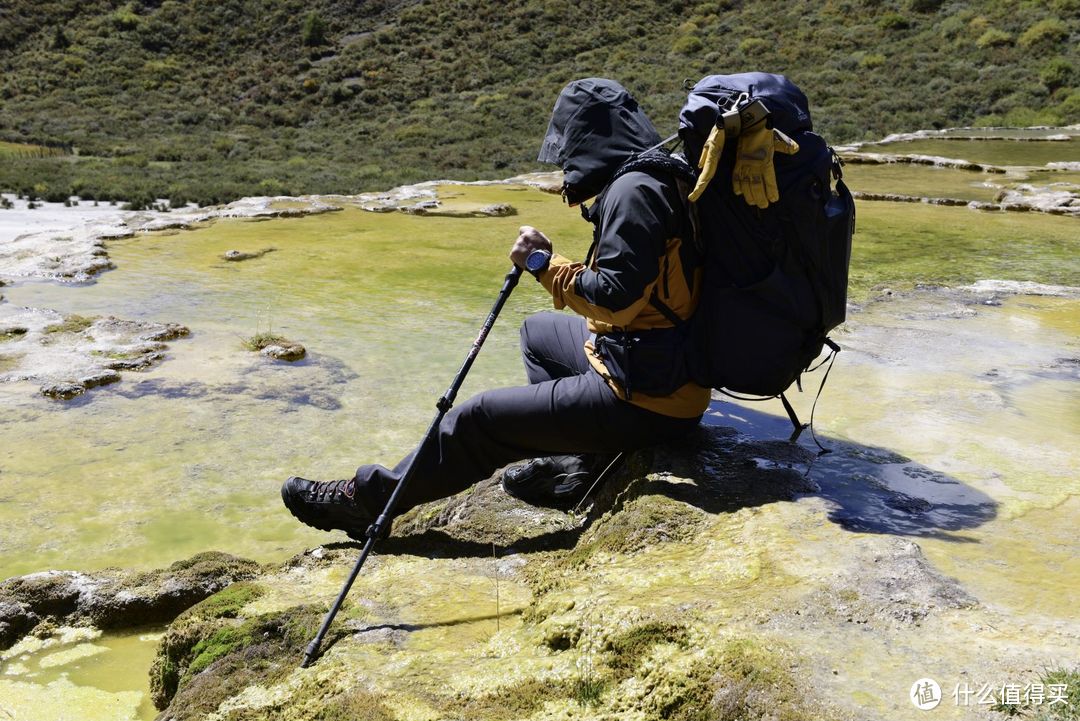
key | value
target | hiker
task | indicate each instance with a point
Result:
(602, 381)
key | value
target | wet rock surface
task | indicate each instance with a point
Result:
(237, 256)
(704, 579)
(114, 598)
(68, 355)
(290, 352)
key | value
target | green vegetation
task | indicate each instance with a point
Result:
(71, 324)
(261, 340)
(355, 704)
(11, 333)
(1057, 683)
(209, 101)
(259, 649)
(630, 647)
(227, 602)
(518, 700)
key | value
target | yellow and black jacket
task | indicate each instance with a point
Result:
(641, 247)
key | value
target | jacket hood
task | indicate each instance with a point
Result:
(595, 127)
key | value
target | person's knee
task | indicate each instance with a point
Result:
(531, 333)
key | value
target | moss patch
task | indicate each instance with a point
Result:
(353, 705)
(638, 524)
(750, 681)
(71, 324)
(7, 334)
(517, 701)
(263, 340)
(627, 649)
(233, 655)
(227, 602)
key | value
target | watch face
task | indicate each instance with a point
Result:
(536, 260)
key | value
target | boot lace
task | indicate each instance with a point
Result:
(328, 491)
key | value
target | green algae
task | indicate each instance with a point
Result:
(902, 245)
(991, 152)
(78, 675)
(922, 181)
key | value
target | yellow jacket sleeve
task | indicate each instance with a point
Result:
(559, 280)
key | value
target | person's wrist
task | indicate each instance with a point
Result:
(537, 261)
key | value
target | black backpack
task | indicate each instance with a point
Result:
(775, 279)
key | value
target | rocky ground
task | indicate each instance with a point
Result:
(705, 581)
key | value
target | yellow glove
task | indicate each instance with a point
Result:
(754, 177)
(710, 156)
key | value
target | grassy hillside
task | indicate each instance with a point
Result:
(212, 99)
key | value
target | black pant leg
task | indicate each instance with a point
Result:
(577, 414)
(553, 346)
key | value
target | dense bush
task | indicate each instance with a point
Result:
(205, 100)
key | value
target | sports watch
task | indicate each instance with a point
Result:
(537, 261)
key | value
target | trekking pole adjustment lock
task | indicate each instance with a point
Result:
(375, 530)
(444, 404)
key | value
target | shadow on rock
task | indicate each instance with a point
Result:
(738, 459)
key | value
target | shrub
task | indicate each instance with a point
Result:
(1044, 33)
(754, 46)
(872, 60)
(1069, 108)
(125, 18)
(1056, 73)
(313, 33)
(60, 40)
(687, 45)
(893, 21)
(993, 38)
(924, 6)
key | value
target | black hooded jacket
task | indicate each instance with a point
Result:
(640, 225)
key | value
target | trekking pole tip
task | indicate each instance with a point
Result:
(310, 654)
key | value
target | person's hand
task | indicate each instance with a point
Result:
(528, 240)
(754, 177)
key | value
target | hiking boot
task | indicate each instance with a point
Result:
(553, 482)
(330, 506)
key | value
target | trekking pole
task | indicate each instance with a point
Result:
(444, 404)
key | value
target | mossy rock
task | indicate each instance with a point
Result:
(209, 655)
(71, 324)
(114, 598)
(473, 520)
